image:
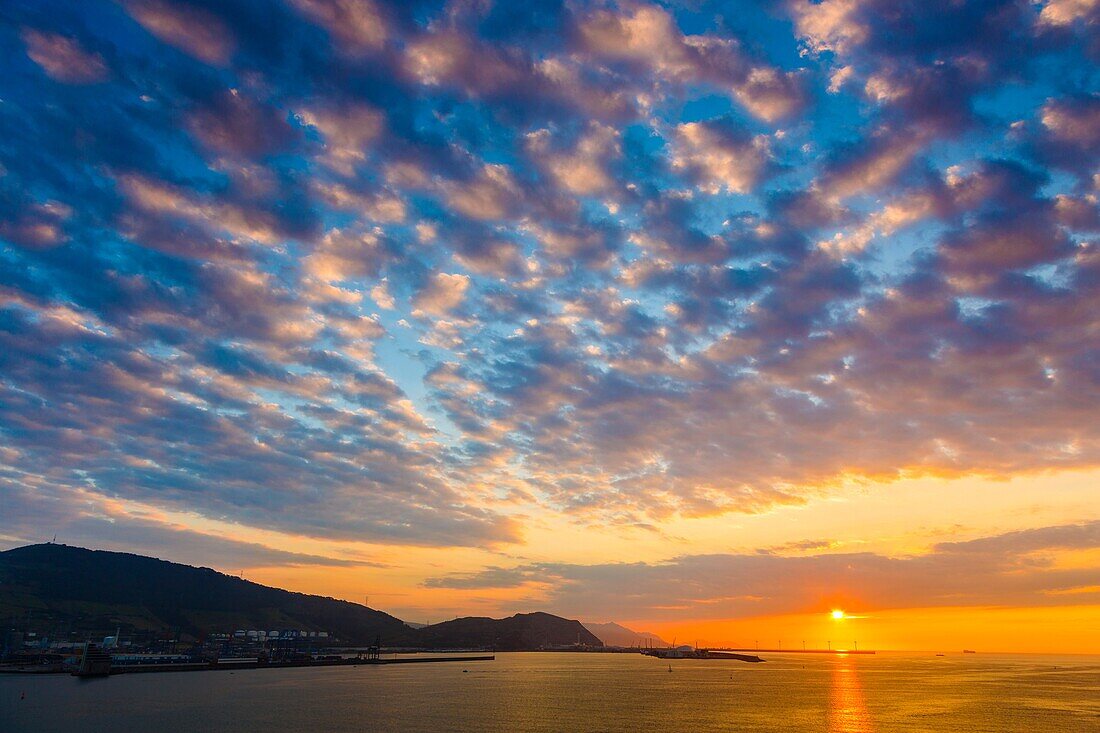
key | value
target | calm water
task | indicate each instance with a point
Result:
(583, 692)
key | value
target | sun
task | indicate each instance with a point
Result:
(837, 614)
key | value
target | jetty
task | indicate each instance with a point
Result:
(806, 651)
(700, 654)
(235, 663)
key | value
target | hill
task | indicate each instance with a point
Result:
(613, 634)
(90, 590)
(57, 589)
(522, 631)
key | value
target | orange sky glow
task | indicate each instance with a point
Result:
(901, 519)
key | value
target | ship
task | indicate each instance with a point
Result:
(94, 662)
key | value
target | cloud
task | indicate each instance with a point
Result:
(1013, 569)
(425, 274)
(877, 163)
(582, 170)
(450, 57)
(346, 255)
(720, 157)
(63, 59)
(832, 25)
(37, 225)
(187, 27)
(231, 123)
(647, 36)
(77, 518)
(915, 73)
(1073, 121)
(348, 134)
(1069, 138)
(1065, 12)
(492, 194)
(442, 293)
(216, 214)
(357, 25)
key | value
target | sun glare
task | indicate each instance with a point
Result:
(838, 614)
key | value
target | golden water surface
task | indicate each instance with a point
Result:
(883, 693)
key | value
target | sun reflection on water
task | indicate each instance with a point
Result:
(847, 707)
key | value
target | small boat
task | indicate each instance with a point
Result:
(969, 651)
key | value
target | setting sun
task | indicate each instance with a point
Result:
(838, 614)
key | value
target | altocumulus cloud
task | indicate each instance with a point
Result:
(381, 271)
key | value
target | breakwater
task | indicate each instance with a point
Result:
(805, 651)
(222, 665)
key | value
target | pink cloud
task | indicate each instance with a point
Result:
(720, 159)
(648, 36)
(358, 26)
(442, 293)
(63, 59)
(189, 28)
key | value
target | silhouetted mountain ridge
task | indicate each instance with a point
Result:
(98, 589)
(522, 631)
(613, 634)
(58, 586)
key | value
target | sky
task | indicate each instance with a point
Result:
(703, 317)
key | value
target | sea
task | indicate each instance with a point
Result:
(557, 691)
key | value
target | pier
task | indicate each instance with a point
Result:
(233, 664)
(700, 654)
(804, 651)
